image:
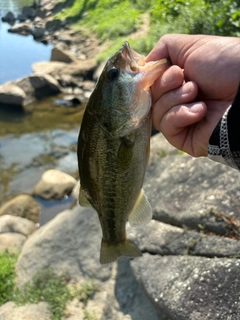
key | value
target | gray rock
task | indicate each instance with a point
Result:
(21, 17)
(38, 32)
(61, 55)
(11, 94)
(11, 241)
(22, 206)
(26, 86)
(71, 241)
(20, 225)
(184, 191)
(163, 239)
(54, 184)
(44, 84)
(9, 17)
(41, 13)
(21, 28)
(51, 67)
(78, 69)
(53, 25)
(29, 12)
(187, 288)
(9, 311)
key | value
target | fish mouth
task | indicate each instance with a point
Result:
(132, 58)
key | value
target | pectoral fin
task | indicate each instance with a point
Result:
(125, 152)
(83, 201)
(142, 211)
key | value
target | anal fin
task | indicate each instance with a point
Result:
(142, 211)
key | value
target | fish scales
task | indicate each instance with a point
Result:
(113, 150)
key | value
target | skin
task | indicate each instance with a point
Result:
(193, 94)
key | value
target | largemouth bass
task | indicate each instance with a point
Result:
(113, 149)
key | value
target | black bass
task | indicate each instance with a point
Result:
(113, 149)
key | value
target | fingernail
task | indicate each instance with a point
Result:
(168, 77)
(195, 108)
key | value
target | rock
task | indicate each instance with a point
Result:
(191, 287)
(71, 241)
(163, 239)
(11, 94)
(44, 85)
(11, 241)
(22, 206)
(29, 12)
(21, 17)
(68, 101)
(20, 225)
(48, 67)
(21, 28)
(9, 311)
(41, 13)
(38, 32)
(62, 55)
(26, 86)
(9, 17)
(78, 69)
(54, 184)
(184, 191)
(53, 25)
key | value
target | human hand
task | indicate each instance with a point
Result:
(193, 94)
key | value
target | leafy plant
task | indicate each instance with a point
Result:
(7, 275)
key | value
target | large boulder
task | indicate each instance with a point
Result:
(22, 206)
(21, 28)
(54, 184)
(12, 94)
(196, 288)
(9, 311)
(71, 241)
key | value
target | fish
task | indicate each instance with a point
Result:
(113, 149)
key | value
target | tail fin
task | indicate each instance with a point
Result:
(110, 253)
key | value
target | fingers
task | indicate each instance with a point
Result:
(173, 101)
(171, 79)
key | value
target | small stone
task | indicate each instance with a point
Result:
(54, 184)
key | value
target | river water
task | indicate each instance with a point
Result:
(42, 138)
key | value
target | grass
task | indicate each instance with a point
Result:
(46, 286)
(7, 274)
(114, 21)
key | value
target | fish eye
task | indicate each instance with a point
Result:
(112, 74)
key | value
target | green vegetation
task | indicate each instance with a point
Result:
(7, 275)
(46, 286)
(84, 292)
(116, 20)
(87, 315)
